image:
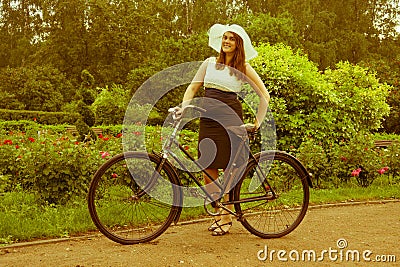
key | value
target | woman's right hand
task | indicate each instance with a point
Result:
(250, 127)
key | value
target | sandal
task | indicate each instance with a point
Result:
(219, 231)
(214, 225)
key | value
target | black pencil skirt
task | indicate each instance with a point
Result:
(217, 146)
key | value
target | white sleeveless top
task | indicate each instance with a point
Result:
(221, 79)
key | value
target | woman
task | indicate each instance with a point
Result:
(222, 78)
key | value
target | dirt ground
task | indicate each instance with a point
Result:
(337, 235)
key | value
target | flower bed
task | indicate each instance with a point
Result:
(54, 165)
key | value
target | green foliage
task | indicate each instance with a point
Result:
(35, 88)
(361, 97)
(41, 117)
(265, 28)
(87, 119)
(88, 116)
(110, 105)
(325, 107)
(388, 70)
(338, 164)
(53, 166)
(57, 168)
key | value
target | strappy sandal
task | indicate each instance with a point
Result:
(219, 231)
(214, 225)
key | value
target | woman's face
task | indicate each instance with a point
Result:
(228, 43)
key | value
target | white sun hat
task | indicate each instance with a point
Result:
(216, 32)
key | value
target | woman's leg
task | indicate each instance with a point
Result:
(223, 222)
(212, 189)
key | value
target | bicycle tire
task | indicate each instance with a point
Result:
(278, 216)
(115, 207)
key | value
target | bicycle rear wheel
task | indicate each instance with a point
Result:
(130, 202)
(262, 213)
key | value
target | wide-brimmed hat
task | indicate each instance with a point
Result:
(216, 32)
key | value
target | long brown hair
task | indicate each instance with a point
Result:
(239, 59)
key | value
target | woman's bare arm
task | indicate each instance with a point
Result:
(261, 91)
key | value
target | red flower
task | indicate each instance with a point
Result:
(17, 146)
(343, 158)
(119, 135)
(7, 142)
(76, 143)
(31, 139)
(383, 170)
(187, 147)
(104, 154)
(101, 136)
(114, 175)
(356, 172)
(34, 119)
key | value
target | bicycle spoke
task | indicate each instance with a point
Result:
(282, 213)
(121, 209)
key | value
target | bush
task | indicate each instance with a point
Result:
(356, 159)
(87, 119)
(57, 168)
(110, 105)
(34, 88)
(326, 107)
(41, 117)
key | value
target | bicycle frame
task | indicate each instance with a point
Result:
(270, 194)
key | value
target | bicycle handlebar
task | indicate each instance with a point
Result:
(177, 116)
(171, 110)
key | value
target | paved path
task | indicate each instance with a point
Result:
(373, 229)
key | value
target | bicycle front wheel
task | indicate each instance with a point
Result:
(130, 201)
(272, 196)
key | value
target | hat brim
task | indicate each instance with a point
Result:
(216, 32)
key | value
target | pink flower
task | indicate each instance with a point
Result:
(356, 172)
(137, 133)
(104, 154)
(383, 170)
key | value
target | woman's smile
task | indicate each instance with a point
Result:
(228, 43)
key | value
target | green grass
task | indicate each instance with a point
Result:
(23, 219)
(378, 190)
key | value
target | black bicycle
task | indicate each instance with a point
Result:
(135, 196)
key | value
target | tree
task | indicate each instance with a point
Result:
(36, 88)
(20, 27)
(264, 28)
(86, 98)
(333, 31)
